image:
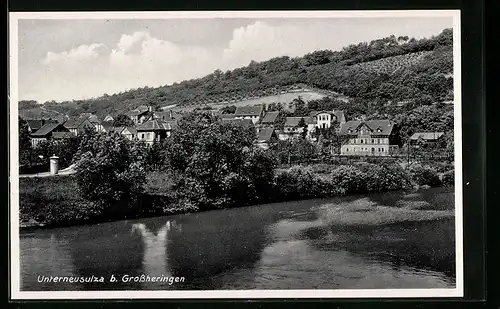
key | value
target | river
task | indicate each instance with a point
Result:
(274, 246)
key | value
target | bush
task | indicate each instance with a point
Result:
(298, 182)
(347, 179)
(448, 178)
(424, 175)
(111, 173)
(386, 177)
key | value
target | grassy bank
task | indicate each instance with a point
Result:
(55, 201)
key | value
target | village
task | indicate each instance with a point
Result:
(375, 137)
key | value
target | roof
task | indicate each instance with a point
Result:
(46, 129)
(227, 116)
(74, 123)
(247, 123)
(34, 124)
(143, 108)
(270, 117)
(107, 125)
(132, 130)
(136, 112)
(155, 125)
(426, 135)
(265, 134)
(116, 129)
(249, 110)
(380, 127)
(60, 135)
(294, 121)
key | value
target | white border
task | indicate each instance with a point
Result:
(236, 294)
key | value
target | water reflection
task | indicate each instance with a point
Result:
(295, 245)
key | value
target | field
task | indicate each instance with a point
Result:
(281, 98)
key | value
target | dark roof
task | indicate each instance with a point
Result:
(265, 134)
(107, 125)
(426, 135)
(247, 123)
(34, 124)
(270, 117)
(61, 135)
(47, 129)
(74, 123)
(132, 130)
(155, 125)
(380, 127)
(294, 121)
(249, 110)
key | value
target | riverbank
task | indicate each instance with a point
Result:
(55, 202)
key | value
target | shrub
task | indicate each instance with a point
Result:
(448, 178)
(347, 179)
(386, 178)
(111, 173)
(424, 175)
(298, 182)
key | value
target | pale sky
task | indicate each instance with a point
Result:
(77, 59)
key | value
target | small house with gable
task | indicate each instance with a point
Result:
(252, 112)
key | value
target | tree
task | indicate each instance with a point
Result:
(302, 124)
(25, 149)
(110, 172)
(123, 121)
(216, 163)
(230, 109)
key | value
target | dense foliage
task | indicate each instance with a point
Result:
(110, 171)
(217, 164)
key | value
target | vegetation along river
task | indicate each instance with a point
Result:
(389, 240)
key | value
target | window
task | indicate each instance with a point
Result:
(362, 141)
(373, 141)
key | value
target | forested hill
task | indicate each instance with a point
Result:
(390, 69)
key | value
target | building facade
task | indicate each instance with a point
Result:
(368, 138)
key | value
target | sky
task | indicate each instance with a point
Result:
(80, 59)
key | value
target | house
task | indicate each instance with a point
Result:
(269, 118)
(62, 135)
(293, 129)
(246, 123)
(35, 124)
(165, 115)
(140, 114)
(425, 138)
(253, 112)
(96, 123)
(326, 119)
(77, 125)
(369, 138)
(154, 130)
(129, 133)
(46, 133)
(109, 118)
(266, 137)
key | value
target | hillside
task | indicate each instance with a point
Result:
(388, 69)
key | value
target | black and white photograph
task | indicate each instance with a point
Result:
(243, 154)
